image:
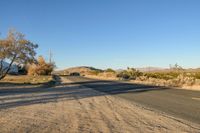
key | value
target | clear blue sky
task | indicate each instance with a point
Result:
(109, 33)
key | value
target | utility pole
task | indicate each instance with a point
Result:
(50, 56)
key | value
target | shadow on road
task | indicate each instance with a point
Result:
(21, 96)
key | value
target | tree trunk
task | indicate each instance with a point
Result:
(7, 69)
(1, 65)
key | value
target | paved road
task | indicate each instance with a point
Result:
(183, 104)
(74, 108)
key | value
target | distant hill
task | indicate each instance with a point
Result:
(86, 70)
(83, 70)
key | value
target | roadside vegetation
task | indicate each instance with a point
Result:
(176, 76)
(41, 67)
(16, 50)
(129, 74)
(173, 78)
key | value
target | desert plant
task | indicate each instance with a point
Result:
(124, 75)
(196, 75)
(95, 72)
(41, 67)
(162, 75)
(110, 70)
(130, 74)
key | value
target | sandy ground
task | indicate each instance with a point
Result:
(87, 111)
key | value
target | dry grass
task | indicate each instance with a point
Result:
(26, 79)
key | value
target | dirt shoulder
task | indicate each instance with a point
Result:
(23, 81)
(74, 108)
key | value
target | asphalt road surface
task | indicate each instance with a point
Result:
(184, 104)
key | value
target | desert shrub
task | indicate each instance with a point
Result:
(124, 75)
(107, 75)
(185, 80)
(110, 70)
(197, 81)
(32, 69)
(197, 75)
(95, 72)
(130, 74)
(174, 83)
(165, 76)
(41, 67)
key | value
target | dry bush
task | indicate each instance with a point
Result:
(107, 74)
(129, 74)
(41, 68)
(32, 69)
(95, 72)
(160, 75)
(109, 70)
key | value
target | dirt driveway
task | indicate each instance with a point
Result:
(69, 108)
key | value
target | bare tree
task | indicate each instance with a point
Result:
(15, 49)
